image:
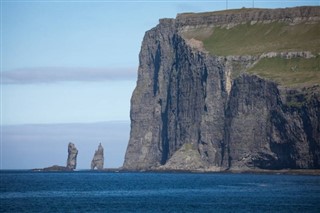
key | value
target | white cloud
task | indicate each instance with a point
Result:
(38, 75)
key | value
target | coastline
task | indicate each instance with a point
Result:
(313, 172)
(63, 169)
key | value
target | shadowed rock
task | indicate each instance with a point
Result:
(98, 159)
(72, 156)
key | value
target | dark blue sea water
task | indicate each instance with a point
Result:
(157, 192)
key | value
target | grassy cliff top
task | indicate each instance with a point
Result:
(262, 31)
(280, 12)
(221, 12)
(295, 72)
(258, 38)
(254, 31)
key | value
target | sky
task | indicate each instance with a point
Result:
(69, 65)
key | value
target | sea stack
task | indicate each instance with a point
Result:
(72, 156)
(98, 159)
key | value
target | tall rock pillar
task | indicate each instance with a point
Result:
(72, 156)
(98, 159)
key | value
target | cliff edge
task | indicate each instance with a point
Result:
(236, 89)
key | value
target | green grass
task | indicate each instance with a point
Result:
(221, 12)
(237, 69)
(296, 72)
(247, 39)
(255, 39)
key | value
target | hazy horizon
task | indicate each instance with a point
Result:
(47, 144)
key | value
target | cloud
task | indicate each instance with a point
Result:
(38, 75)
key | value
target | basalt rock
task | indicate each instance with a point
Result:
(188, 112)
(72, 156)
(98, 159)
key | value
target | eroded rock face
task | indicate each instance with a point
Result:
(292, 15)
(98, 159)
(72, 156)
(188, 112)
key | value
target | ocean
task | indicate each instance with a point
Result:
(85, 191)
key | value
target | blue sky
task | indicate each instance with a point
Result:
(76, 61)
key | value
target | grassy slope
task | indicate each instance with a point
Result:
(247, 39)
(296, 72)
(259, 38)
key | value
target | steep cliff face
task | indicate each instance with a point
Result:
(264, 132)
(192, 110)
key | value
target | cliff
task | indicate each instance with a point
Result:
(200, 104)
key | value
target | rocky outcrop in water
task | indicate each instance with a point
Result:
(189, 113)
(98, 159)
(54, 168)
(71, 162)
(72, 156)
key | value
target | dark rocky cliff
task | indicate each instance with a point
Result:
(189, 112)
